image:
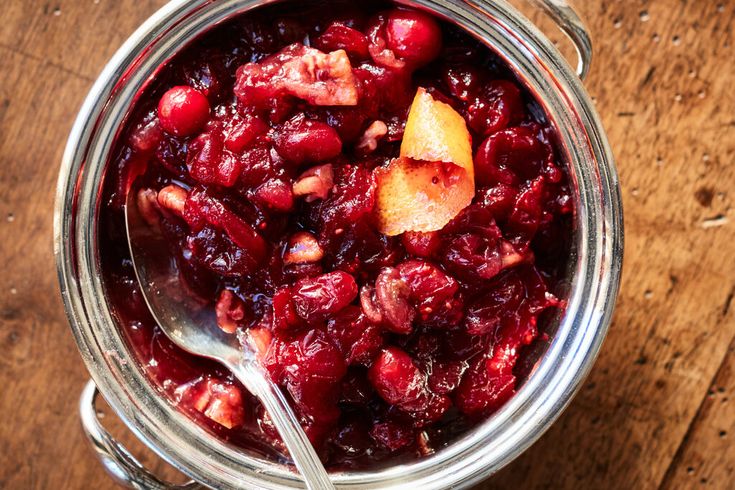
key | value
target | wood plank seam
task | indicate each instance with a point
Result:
(46, 62)
(676, 459)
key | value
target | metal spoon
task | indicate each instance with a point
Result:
(195, 330)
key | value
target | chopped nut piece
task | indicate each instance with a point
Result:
(303, 248)
(226, 406)
(315, 183)
(173, 198)
(217, 400)
(423, 444)
(230, 311)
(369, 140)
(509, 255)
(321, 78)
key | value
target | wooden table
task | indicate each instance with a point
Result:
(658, 409)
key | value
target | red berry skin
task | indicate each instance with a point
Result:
(483, 389)
(497, 106)
(421, 244)
(359, 338)
(396, 378)
(339, 36)
(510, 157)
(284, 312)
(316, 298)
(183, 111)
(243, 131)
(303, 140)
(413, 36)
(393, 436)
(393, 294)
(209, 163)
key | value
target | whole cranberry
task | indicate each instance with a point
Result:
(427, 283)
(498, 199)
(510, 156)
(413, 36)
(275, 194)
(432, 292)
(242, 131)
(396, 378)
(303, 140)
(209, 163)
(314, 355)
(284, 312)
(497, 106)
(359, 338)
(312, 369)
(503, 299)
(316, 298)
(483, 390)
(182, 111)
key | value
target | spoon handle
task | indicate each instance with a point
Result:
(256, 380)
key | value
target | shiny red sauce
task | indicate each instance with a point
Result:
(262, 178)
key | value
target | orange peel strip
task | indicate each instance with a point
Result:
(434, 178)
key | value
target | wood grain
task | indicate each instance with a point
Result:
(657, 410)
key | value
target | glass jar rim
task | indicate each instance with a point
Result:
(178, 439)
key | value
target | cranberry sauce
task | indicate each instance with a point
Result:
(256, 149)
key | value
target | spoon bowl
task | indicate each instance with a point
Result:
(193, 327)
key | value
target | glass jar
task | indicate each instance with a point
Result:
(560, 364)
